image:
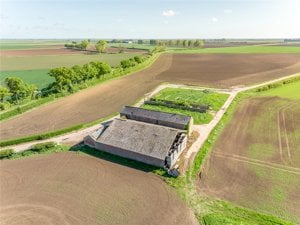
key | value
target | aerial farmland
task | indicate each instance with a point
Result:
(109, 117)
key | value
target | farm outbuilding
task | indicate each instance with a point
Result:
(141, 141)
(155, 117)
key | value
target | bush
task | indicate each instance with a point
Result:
(138, 59)
(4, 105)
(6, 153)
(42, 147)
(127, 63)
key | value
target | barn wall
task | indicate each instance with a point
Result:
(129, 154)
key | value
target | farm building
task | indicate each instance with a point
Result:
(156, 117)
(146, 142)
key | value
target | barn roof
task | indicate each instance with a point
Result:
(157, 115)
(143, 138)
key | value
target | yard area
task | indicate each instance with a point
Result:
(189, 97)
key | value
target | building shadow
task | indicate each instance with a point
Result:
(119, 160)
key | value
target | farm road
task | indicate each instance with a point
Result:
(203, 130)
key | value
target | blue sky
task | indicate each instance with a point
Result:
(150, 19)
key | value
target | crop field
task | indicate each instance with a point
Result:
(52, 61)
(38, 77)
(216, 70)
(17, 45)
(76, 188)
(256, 49)
(255, 161)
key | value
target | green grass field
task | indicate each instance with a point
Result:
(213, 99)
(38, 77)
(52, 61)
(189, 96)
(19, 45)
(291, 91)
(199, 118)
(259, 49)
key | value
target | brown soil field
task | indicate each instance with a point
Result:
(58, 51)
(217, 70)
(255, 162)
(71, 188)
(225, 70)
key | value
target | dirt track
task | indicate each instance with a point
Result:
(71, 188)
(257, 153)
(88, 105)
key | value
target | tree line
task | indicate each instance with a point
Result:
(100, 45)
(179, 43)
(66, 79)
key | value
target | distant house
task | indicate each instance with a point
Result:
(145, 141)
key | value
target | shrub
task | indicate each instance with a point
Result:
(6, 153)
(127, 63)
(4, 105)
(42, 147)
(138, 59)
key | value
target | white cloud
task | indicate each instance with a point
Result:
(214, 19)
(119, 20)
(166, 22)
(168, 13)
(227, 11)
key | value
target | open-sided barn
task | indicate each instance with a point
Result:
(146, 142)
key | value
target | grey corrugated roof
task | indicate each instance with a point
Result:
(144, 138)
(157, 115)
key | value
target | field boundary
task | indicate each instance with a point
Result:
(46, 136)
(18, 110)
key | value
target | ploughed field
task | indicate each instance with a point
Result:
(255, 162)
(217, 70)
(72, 188)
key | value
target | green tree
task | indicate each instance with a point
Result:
(4, 92)
(84, 44)
(101, 46)
(18, 89)
(89, 71)
(184, 43)
(102, 68)
(63, 78)
(140, 42)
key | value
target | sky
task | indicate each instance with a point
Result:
(145, 19)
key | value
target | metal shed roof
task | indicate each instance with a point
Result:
(143, 138)
(157, 115)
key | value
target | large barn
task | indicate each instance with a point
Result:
(147, 142)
